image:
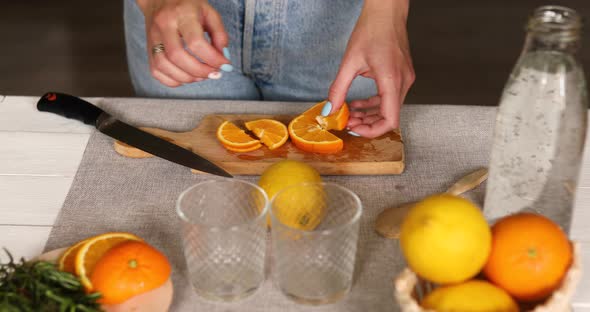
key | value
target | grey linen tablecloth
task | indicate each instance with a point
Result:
(114, 193)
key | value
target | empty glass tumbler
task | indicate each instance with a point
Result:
(315, 228)
(224, 235)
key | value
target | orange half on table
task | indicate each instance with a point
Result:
(235, 139)
(310, 130)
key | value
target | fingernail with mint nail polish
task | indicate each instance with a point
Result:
(354, 133)
(226, 53)
(214, 75)
(326, 109)
(227, 67)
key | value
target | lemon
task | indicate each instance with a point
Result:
(302, 208)
(445, 239)
(473, 295)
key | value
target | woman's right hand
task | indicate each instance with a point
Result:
(173, 23)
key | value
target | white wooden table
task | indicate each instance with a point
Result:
(40, 153)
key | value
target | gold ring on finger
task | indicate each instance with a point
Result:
(158, 48)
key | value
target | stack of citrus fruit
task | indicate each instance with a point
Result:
(309, 131)
(117, 265)
(523, 258)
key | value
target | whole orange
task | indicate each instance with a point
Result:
(530, 255)
(129, 269)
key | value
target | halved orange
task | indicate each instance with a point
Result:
(231, 136)
(92, 249)
(309, 136)
(271, 132)
(67, 261)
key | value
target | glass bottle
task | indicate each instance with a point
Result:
(541, 123)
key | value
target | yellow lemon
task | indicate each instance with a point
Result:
(302, 208)
(445, 239)
(473, 295)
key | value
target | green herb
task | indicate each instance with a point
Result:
(40, 286)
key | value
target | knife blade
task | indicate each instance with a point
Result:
(75, 108)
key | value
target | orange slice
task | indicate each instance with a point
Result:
(271, 132)
(90, 252)
(67, 261)
(336, 121)
(309, 136)
(243, 150)
(310, 130)
(231, 136)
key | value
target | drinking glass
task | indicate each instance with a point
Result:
(224, 237)
(315, 228)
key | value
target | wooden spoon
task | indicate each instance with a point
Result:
(389, 221)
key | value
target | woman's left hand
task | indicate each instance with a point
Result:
(378, 49)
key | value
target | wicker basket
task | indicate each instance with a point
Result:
(410, 289)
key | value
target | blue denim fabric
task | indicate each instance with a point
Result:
(287, 50)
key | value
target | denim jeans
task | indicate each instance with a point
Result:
(287, 50)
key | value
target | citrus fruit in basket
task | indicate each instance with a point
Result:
(92, 249)
(473, 295)
(530, 256)
(129, 269)
(235, 139)
(285, 173)
(310, 131)
(272, 133)
(445, 239)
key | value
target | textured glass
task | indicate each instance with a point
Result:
(315, 241)
(224, 236)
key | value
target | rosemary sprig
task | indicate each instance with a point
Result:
(40, 286)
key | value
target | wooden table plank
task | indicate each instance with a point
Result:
(582, 297)
(580, 227)
(33, 153)
(23, 241)
(32, 200)
(19, 113)
(585, 170)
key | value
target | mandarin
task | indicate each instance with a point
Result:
(129, 269)
(530, 256)
(92, 249)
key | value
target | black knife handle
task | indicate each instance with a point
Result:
(69, 106)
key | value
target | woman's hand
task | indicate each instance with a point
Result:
(378, 48)
(177, 24)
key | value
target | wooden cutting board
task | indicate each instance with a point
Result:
(380, 156)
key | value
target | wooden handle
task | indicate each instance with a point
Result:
(468, 182)
(389, 221)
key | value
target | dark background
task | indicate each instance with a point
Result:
(463, 50)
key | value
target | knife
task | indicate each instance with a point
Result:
(75, 108)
